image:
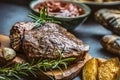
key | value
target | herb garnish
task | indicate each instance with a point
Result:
(19, 71)
(43, 18)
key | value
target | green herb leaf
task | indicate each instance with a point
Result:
(19, 71)
(43, 18)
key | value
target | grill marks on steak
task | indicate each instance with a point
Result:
(46, 40)
(16, 34)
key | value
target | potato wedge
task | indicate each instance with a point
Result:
(90, 70)
(99, 0)
(100, 61)
(109, 70)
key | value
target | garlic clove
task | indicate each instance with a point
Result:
(8, 53)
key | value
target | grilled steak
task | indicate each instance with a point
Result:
(110, 19)
(48, 40)
(16, 34)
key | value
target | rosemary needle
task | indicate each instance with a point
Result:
(19, 71)
(43, 18)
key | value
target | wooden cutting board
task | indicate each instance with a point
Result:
(69, 73)
(4, 40)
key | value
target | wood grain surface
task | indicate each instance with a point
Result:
(67, 74)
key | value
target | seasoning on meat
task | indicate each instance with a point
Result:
(45, 41)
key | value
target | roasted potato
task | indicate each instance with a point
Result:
(109, 70)
(100, 61)
(111, 43)
(90, 70)
(101, 69)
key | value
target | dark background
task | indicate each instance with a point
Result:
(12, 11)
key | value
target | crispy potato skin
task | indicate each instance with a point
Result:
(101, 69)
(90, 70)
(109, 70)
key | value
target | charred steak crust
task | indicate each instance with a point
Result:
(46, 40)
(16, 34)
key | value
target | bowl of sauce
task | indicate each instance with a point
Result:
(68, 12)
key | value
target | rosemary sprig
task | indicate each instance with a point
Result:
(20, 71)
(43, 18)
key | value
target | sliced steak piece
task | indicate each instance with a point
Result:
(45, 41)
(16, 33)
